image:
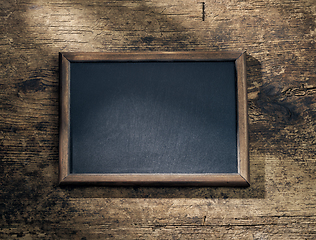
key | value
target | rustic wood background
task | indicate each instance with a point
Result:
(279, 37)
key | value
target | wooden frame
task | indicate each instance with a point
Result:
(241, 178)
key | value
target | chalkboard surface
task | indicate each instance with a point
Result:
(152, 117)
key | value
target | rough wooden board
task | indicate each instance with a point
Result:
(279, 37)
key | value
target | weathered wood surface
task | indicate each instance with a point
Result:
(279, 36)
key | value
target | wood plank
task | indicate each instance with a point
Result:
(279, 37)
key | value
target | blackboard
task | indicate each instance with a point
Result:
(153, 119)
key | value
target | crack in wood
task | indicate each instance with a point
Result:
(203, 11)
(301, 91)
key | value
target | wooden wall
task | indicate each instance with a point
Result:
(279, 37)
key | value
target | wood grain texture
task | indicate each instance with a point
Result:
(243, 150)
(156, 56)
(159, 180)
(64, 123)
(279, 38)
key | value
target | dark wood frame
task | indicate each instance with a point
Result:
(237, 179)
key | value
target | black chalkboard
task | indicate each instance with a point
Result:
(152, 116)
